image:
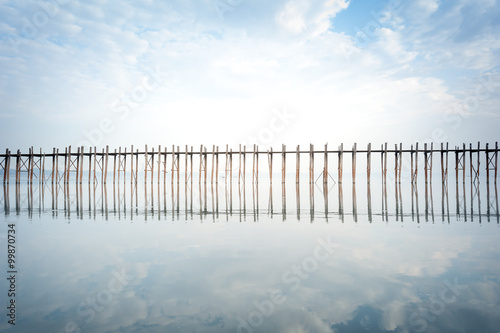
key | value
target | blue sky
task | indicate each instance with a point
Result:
(240, 71)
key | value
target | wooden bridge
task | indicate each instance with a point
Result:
(45, 167)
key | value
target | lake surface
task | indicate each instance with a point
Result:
(231, 258)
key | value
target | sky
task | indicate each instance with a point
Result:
(122, 73)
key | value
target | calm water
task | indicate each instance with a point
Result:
(169, 258)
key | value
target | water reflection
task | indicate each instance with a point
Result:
(76, 200)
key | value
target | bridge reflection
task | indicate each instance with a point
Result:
(477, 201)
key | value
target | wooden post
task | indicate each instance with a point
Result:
(65, 164)
(131, 167)
(297, 172)
(311, 164)
(152, 165)
(270, 162)
(341, 162)
(31, 165)
(213, 163)
(6, 166)
(217, 166)
(178, 167)
(354, 163)
(18, 167)
(325, 167)
(146, 165)
(165, 169)
(253, 163)
(136, 166)
(159, 165)
(368, 162)
(120, 165)
(230, 165)
(53, 164)
(57, 166)
(227, 161)
(77, 165)
(106, 165)
(186, 164)
(385, 162)
(244, 162)
(494, 164)
(283, 163)
(416, 162)
(257, 165)
(426, 169)
(82, 148)
(239, 165)
(201, 162)
(400, 161)
(95, 164)
(114, 167)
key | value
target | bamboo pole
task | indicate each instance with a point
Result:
(178, 167)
